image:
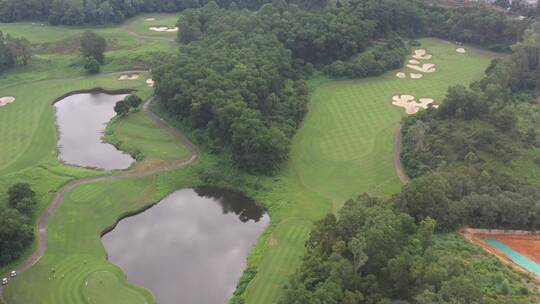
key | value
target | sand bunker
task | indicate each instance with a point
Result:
(416, 76)
(414, 61)
(4, 101)
(410, 104)
(425, 68)
(421, 54)
(150, 82)
(163, 29)
(401, 75)
(150, 19)
(129, 77)
(461, 50)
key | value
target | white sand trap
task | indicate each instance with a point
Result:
(411, 106)
(150, 19)
(163, 29)
(461, 50)
(401, 75)
(425, 68)
(150, 82)
(416, 76)
(421, 54)
(129, 77)
(4, 101)
(414, 61)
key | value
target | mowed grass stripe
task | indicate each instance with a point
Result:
(285, 260)
(346, 147)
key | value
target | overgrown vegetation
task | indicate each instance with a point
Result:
(477, 153)
(13, 52)
(373, 253)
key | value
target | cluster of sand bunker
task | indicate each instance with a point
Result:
(410, 104)
(422, 54)
(416, 65)
(424, 68)
(163, 29)
(150, 82)
(129, 77)
(149, 19)
(4, 101)
(461, 50)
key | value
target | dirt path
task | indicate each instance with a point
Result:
(42, 237)
(400, 170)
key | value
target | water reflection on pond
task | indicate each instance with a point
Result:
(191, 247)
(81, 120)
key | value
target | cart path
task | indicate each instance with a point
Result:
(400, 170)
(42, 236)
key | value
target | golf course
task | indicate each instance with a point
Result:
(344, 147)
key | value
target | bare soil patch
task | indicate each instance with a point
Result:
(422, 54)
(4, 101)
(410, 105)
(128, 77)
(424, 68)
(163, 29)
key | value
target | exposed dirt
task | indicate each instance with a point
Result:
(4, 101)
(526, 244)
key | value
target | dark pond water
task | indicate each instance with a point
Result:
(82, 119)
(191, 248)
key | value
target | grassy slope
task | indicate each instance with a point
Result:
(138, 132)
(344, 148)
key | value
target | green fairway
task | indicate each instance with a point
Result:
(345, 148)
(137, 133)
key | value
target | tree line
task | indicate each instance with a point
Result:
(16, 231)
(13, 52)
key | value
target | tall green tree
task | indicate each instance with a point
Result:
(93, 45)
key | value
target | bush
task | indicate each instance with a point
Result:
(91, 65)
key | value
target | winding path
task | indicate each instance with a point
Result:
(43, 222)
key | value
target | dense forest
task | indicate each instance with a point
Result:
(375, 254)
(238, 80)
(13, 52)
(470, 145)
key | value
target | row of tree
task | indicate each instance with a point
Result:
(13, 52)
(76, 12)
(16, 231)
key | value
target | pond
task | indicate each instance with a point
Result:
(81, 121)
(189, 248)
